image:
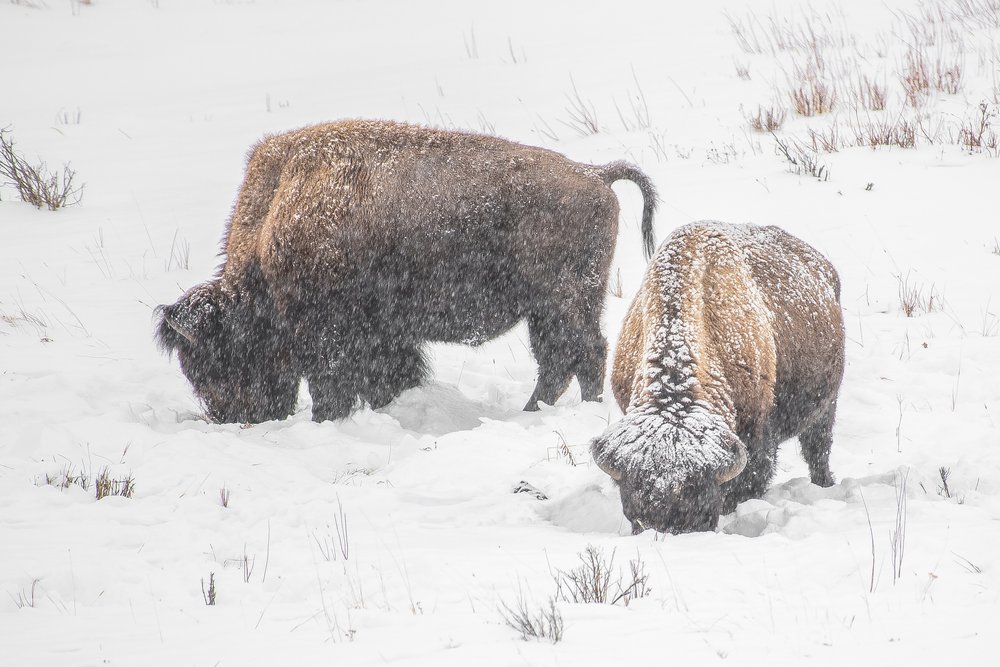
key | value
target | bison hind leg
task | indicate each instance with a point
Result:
(391, 370)
(815, 442)
(567, 344)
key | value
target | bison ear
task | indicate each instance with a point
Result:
(732, 443)
(193, 319)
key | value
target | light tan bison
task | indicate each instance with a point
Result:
(733, 344)
(352, 244)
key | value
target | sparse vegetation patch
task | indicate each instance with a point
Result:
(34, 183)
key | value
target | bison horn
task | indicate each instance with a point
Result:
(739, 462)
(614, 474)
(182, 330)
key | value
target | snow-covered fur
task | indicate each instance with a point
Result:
(733, 344)
(353, 243)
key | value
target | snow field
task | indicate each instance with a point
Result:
(171, 94)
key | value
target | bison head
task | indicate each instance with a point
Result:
(670, 466)
(230, 352)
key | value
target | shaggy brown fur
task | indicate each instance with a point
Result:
(733, 344)
(353, 243)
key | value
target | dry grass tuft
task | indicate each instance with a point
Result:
(913, 300)
(825, 140)
(868, 94)
(105, 485)
(767, 119)
(884, 130)
(813, 96)
(976, 134)
(582, 116)
(916, 78)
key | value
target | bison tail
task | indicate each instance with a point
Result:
(623, 171)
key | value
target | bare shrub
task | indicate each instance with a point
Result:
(35, 184)
(721, 154)
(582, 116)
(802, 159)
(826, 140)
(884, 130)
(245, 563)
(948, 78)
(595, 580)
(984, 13)
(180, 253)
(639, 117)
(563, 450)
(976, 134)
(742, 70)
(224, 493)
(658, 144)
(916, 77)
(546, 623)
(943, 490)
(209, 594)
(810, 30)
(745, 33)
(767, 119)
(868, 94)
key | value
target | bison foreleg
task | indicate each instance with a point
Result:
(391, 371)
(332, 397)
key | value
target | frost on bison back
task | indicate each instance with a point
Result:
(733, 344)
(352, 244)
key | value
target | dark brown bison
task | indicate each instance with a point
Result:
(352, 244)
(733, 344)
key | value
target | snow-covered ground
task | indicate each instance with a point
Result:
(155, 104)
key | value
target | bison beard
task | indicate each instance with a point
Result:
(353, 244)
